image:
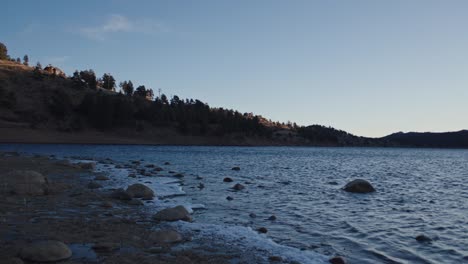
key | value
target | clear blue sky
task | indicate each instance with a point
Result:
(367, 67)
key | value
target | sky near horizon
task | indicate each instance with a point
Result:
(367, 67)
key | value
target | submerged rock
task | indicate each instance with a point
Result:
(87, 165)
(262, 230)
(94, 185)
(229, 198)
(101, 178)
(227, 179)
(46, 251)
(252, 215)
(359, 186)
(238, 187)
(139, 190)
(135, 202)
(423, 238)
(173, 214)
(235, 168)
(272, 218)
(165, 237)
(275, 259)
(337, 260)
(167, 163)
(105, 247)
(24, 182)
(121, 194)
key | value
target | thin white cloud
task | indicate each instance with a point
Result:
(121, 24)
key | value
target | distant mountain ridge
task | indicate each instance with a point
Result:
(457, 139)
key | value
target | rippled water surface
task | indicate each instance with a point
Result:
(419, 191)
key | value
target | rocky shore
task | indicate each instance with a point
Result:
(55, 210)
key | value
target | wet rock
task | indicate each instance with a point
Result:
(167, 163)
(158, 169)
(87, 165)
(252, 215)
(229, 198)
(101, 178)
(359, 186)
(135, 162)
(423, 238)
(24, 182)
(272, 218)
(45, 251)
(11, 261)
(171, 172)
(179, 175)
(333, 183)
(165, 237)
(173, 214)
(262, 230)
(236, 168)
(275, 259)
(150, 166)
(238, 187)
(121, 194)
(135, 202)
(139, 190)
(337, 260)
(107, 205)
(201, 185)
(199, 178)
(227, 179)
(105, 247)
(94, 185)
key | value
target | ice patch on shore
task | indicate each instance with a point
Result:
(243, 242)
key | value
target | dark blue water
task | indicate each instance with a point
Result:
(419, 191)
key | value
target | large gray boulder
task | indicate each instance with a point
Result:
(139, 190)
(46, 251)
(173, 214)
(359, 186)
(23, 182)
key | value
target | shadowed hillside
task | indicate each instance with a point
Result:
(44, 105)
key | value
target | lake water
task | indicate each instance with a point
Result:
(419, 191)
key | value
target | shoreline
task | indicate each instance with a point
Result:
(71, 211)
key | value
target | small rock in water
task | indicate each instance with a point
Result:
(333, 183)
(199, 178)
(272, 218)
(135, 202)
(359, 186)
(101, 178)
(121, 194)
(87, 165)
(275, 259)
(337, 260)
(262, 230)
(236, 168)
(227, 179)
(179, 175)
(139, 190)
(252, 215)
(201, 185)
(165, 237)
(46, 251)
(107, 205)
(238, 187)
(423, 238)
(94, 185)
(173, 214)
(167, 163)
(105, 247)
(229, 198)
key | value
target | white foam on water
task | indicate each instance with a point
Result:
(251, 246)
